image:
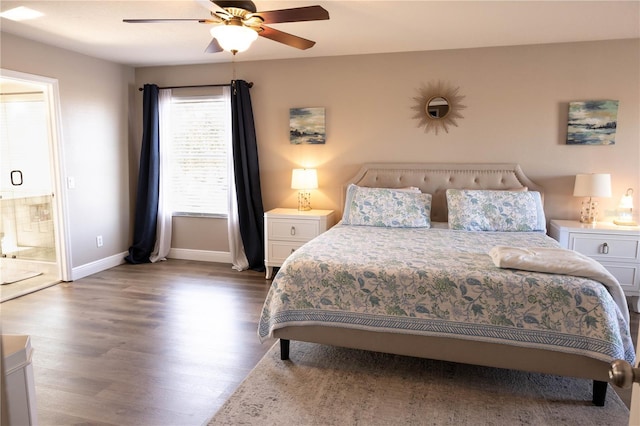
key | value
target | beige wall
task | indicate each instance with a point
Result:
(94, 101)
(516, 97)
(516, 100)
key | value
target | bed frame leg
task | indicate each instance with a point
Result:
(599, 393)
(284, 353)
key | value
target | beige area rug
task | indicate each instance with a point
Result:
(324, 385)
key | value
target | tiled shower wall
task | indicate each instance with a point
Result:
(27, 222)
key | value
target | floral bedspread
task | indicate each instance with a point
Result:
(443, 282)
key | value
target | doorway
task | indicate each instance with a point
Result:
(32, 251)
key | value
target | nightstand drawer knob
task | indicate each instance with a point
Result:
(605, 248)
(292, 250)
(293, 230)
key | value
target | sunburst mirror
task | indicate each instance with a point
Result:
(438, 106)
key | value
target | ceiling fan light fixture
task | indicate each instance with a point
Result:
(234, 38)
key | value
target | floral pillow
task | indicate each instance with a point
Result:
(386, 207)
(480, 210)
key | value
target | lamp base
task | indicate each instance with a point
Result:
(625, 222)
(304, 200)
(588, 220)
(589, 212)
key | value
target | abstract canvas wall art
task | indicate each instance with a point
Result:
(592, 123)
(306, 126)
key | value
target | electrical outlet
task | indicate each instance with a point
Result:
(99, 241)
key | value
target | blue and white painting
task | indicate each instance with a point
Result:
(592, 123)
(306, 126)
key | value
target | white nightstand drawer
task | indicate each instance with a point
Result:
(605, 247)
(286, 230)
(280, 250)
(627, 275)
(293, 230)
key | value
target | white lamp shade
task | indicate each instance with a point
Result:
(304, 179)
(592, 185)
(234, 38)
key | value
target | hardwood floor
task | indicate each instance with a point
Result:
(161, 344)
(152, 344)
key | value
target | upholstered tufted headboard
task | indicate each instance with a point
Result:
(436, 178)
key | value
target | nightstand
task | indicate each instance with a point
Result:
(285, 230)
(617, 248)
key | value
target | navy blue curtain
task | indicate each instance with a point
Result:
(247, 175)
(146, 216)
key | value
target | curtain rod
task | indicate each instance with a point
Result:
(250, 84)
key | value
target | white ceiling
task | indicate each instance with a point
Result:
(95, 27)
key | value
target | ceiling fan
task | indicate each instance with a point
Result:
(238, 23)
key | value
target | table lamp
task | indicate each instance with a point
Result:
(303, 180)
(591, 185)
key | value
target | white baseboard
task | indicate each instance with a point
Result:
(200, 255)
(118, 259)
(97, 266)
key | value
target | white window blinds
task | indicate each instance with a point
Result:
(200, 128)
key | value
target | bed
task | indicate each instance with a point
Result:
(413, 268)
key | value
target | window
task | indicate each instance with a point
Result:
(200, 127)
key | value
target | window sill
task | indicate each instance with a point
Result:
(205, 215)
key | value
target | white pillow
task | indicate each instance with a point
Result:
(386, 207)
(486, 210)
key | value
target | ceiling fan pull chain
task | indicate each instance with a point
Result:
(233, 66)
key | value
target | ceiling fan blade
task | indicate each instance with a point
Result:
(296, 14)
(162, 21)
(214, 8)
(213, 47)
(286, 38)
